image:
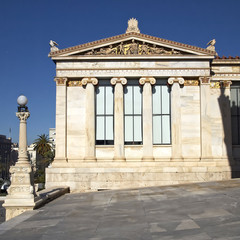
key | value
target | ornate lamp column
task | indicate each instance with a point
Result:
(147, 118)
(90, 119)
(176, 117)
(20, 196)
(119, 154)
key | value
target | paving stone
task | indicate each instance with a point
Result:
(201, 211)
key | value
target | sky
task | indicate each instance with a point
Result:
(27, 26)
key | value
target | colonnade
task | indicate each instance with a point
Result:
(119, 148)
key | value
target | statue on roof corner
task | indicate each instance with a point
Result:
(211, 45)
(133, 26)
(53, 45)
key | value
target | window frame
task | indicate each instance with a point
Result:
(104, 83)
(132, 83)
(162, 82)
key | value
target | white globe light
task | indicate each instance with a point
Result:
(22, 100)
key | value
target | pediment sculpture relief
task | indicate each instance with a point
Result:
(133, 48)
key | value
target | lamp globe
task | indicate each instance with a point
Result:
(22, 100)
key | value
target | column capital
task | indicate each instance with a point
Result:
(61, 81)
(144, 80)
(23, 116)
(226, 84)
(87, 80)
(116, 80)
(205, 80)
(173, 80)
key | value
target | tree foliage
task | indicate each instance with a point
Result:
(42, 144)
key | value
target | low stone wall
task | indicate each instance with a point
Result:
(112, 175)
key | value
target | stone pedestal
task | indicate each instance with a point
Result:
(20, 196)
(119, 154)
(90, 119)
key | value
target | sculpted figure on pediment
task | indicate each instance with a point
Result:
(133, 48)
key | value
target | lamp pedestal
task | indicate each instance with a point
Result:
(20, 196)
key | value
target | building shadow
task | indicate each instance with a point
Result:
(226, 108)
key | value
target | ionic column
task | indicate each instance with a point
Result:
(224, 101)
(176, 117)
(147, 117)
(61, 120)
(206, 133)
(90, 118)
(119, 154)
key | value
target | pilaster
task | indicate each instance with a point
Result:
(205, 118)
(224, 100)
(147, 117)
(119, 153)
(90, 154)
(176, 117)
(61, 120)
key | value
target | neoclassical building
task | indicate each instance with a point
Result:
(135, 110)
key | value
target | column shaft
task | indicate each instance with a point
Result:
(119, 153)
(176, 117)
(147, 123)
(61, 120)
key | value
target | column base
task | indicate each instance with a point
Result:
(119, 159)
(90, 159)
(148, 159)
(14, 211)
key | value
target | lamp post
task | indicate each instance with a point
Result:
(20, 196)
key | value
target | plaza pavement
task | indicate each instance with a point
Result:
(199, 211)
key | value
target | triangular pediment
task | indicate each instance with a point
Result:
(131, 44)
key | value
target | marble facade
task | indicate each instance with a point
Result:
(199, 86)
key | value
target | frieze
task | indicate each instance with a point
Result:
(133, 72)
(74, 83)
(191, 83)
(133, 48)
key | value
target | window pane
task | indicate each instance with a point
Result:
(165, 129)
(156, 100)
(234, 130)
(100, 100)
(137, 99)
(157, 129)
(100, 128)
(109, 100)
(128, 108)
(137, 129)
(109, 128)
(128, 128)
(165, 100)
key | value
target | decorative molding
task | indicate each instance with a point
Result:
(60, 81)
(215, 85)
(133, 26)
(144, 80)
(121, 80)
(74, 83)
(23, 116)
(173, 80)
(204, 80)
(134, 72)
(191, 83)
(87, 80)
(226, 84)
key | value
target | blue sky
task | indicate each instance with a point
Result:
(26, 26)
